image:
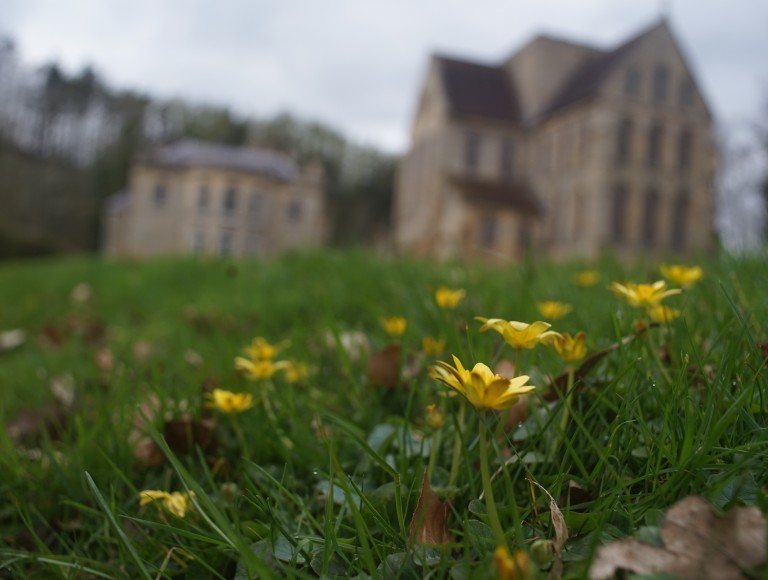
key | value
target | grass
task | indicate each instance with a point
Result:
(321, 477)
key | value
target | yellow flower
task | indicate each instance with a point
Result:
(519, 334)
(571, 348)
(394, 325)
(175, 502)
(587, 278)
(643, 295)
(448, 298)
(432, 346)
(552, 310)
(481, 387)
(681, 275)
(260, 369)
(515, 567)
(229, 402)
(662, 314)
(260, 349)
(295, 372)
(433, 417)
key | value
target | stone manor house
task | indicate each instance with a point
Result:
(562, 148)
(211, 199)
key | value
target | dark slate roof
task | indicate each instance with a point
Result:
(518, 196)
(586, 80)
(191, 153)
(478, 90)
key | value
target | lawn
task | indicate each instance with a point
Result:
(255, 419)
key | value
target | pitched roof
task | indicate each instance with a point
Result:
(478, 90)
(192, 153)
(586, 80)
(487, 91)
(518, 196)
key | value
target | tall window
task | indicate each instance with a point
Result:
(680, 220)
(294, 210)
(160, 195)
(632, 81)
(203, 198)
(471, 151)
(226, 243)
(684, 149)
(654, 146)
(624, 141)
(619, 213)
(506, 163)
(649, 218)
(488, 231)
(230, 200)
(660, 83)
(255, 207)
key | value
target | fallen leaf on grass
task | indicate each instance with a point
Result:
(560, 529)
(698, 543)
(63, 390)
(384, 367)
(429, 524)
(10, 339)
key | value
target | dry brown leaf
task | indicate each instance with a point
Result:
(63, 390)
(698, 542)
(429, 524)
(384, 367)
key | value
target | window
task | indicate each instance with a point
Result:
(472, 151)
(684, 149)
(660, 83)
(632, 82)
(160, 195)
(680, 220)
(255, 207)
(506, 162)
(226, 243)
(488, 231)
(198, 242)
(624, 141)
(293, 211)
(230, 200)
(687, 93)
(654, 146)
(649, 218)
(203, 198)
(619, 211)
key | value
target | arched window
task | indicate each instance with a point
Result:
(620, 198)
(624, 141)
(680, 220)
(649, 218)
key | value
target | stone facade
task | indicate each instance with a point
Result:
(563, 149)
(210, 199)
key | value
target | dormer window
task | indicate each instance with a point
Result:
(660, 83)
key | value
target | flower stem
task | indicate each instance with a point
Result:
(457, 443)
(651, 344)
(565, 417)
(490, 504)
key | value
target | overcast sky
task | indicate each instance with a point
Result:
(358, 64)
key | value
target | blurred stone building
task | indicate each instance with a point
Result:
(562, 148)
(205, 198)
